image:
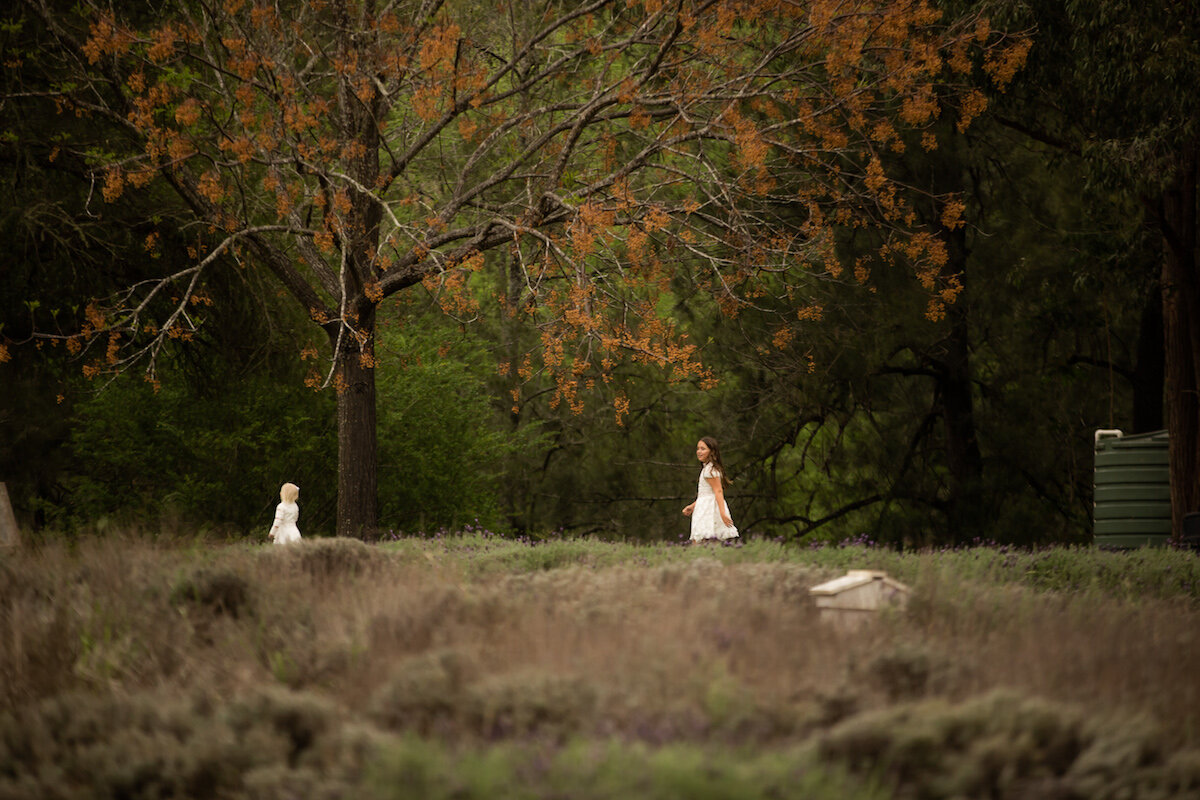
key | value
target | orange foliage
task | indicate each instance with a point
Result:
(467, 128)
(439, 47)
(114, 183)
(324, 241)
(373, 291)
(188, 112)
(426, 101)
(952, 214)
(1003, 64)
(621, 404)
(105, 38)
(813, 313)
(210, 186)
(973, 104)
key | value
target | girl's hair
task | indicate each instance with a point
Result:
(289, 492)
(714, 458)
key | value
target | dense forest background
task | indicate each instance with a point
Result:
(873, 421)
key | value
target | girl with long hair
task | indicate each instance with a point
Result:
(709, 512)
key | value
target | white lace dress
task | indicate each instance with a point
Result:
(285, 530)
(706, 520)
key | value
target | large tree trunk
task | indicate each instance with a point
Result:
(357, 511)
(1181, 323)
(358, 115)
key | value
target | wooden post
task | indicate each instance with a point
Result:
(9, 535)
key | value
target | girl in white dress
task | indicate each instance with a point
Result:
(709, 513)
(286, 514)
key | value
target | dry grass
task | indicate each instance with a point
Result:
(686, 648)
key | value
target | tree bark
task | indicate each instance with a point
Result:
(962, 445)
(517, 508)
(1181, 323)
(357, 513)
(963, 458)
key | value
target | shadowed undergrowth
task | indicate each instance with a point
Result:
(472, 666)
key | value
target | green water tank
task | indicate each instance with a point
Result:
(1132, 499)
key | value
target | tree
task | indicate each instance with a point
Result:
(1116, 91)
(847, 429)
(355, 150)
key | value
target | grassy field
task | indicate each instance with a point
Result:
(468, 666)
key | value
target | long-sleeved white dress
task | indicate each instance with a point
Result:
(706, 520)
(284, 528)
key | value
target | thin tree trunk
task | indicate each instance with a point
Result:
(517, 508)
(962, 445)
(1181, 323)
(963, 458)
(964, 513)
(950, 358)
(1149, 371)
(357, 513)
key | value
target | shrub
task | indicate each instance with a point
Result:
(1007, 746)
(220, 590)
(412, 769)
(79, 745)
(327, 559)
(40, 636)
(288, 721)
(904, 672)
(442, 693)
(532, 704)
(835, 705)
(428, 694)
(270, 743)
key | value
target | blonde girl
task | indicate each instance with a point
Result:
(284, 529)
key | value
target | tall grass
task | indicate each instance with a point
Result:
(528, 666)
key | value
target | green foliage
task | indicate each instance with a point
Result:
(444, 457)
(202, 459)
(593, 770)
(1150, 573)
(59, 253)
(1116, 84)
